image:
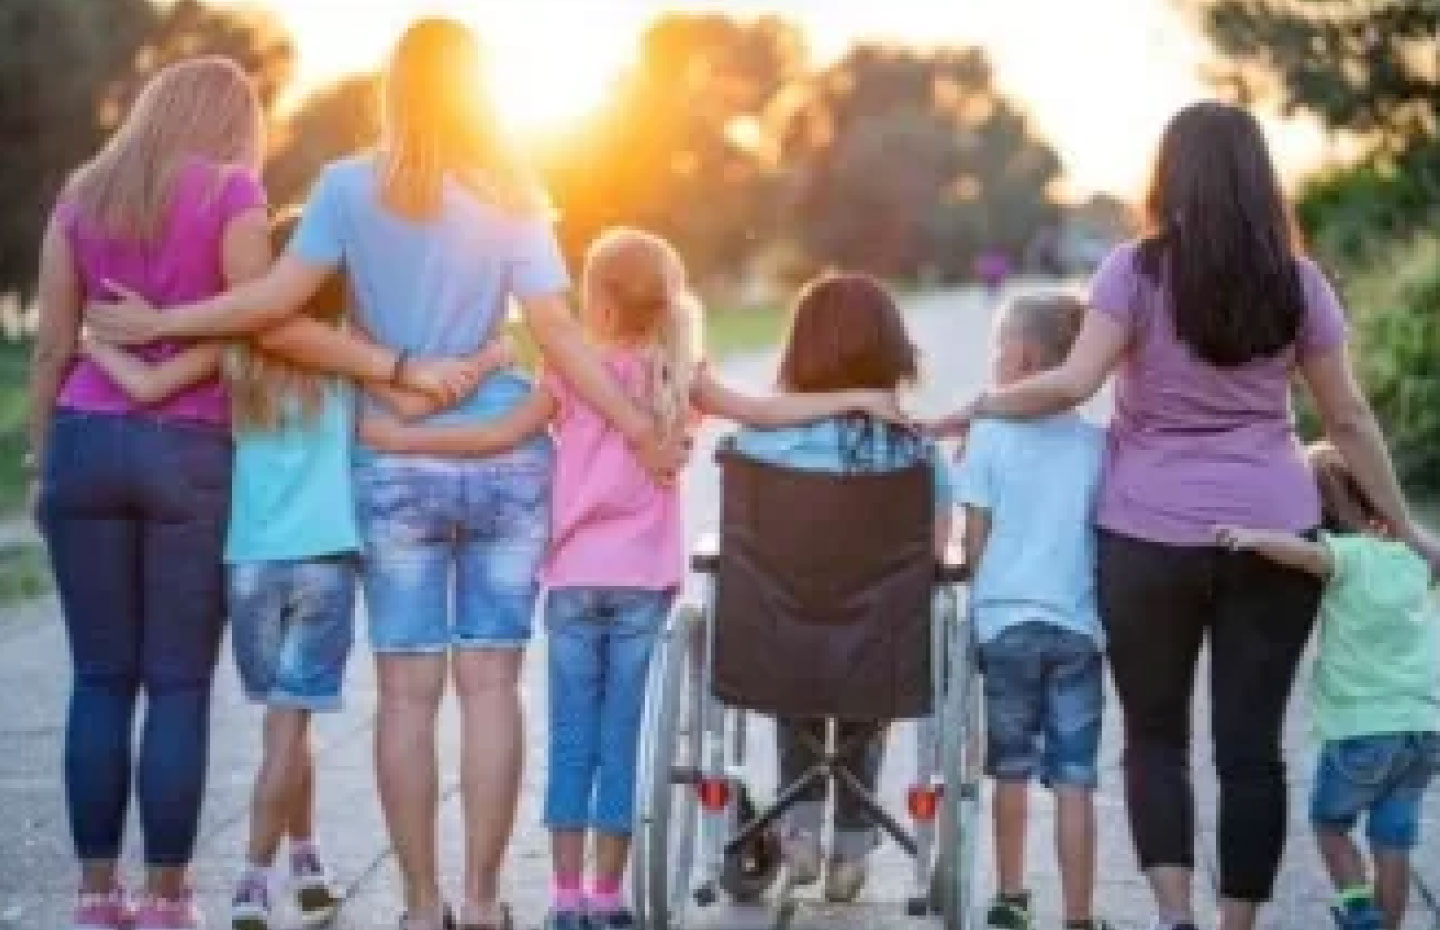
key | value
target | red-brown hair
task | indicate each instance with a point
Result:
(846, 332)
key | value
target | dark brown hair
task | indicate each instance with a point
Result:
(846, 332)
(1048, 322)
(1345, 508)
(1221, 240)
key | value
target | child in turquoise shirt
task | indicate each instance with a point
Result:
(1376, 691)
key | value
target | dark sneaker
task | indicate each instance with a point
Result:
(619, 919)
(1010, 914)
(1358, 914)
(567, 920)
(315, 896)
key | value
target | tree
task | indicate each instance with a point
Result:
(332, 122)
(906, 162)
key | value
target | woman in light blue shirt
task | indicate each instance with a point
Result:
(436, 231)
(847, 333)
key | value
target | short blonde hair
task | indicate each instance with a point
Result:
(642, 278)
(204, 107)
(439, 122)
(1048, 322)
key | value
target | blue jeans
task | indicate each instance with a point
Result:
(292, 624)
(133, 510)
(452, 549)
(1383, 776)
(1044, 696)
(600, 645)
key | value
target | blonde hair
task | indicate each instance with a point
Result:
(265, 391)
(439, 122)
(642, 280)
(1049, 322)
(204, 107)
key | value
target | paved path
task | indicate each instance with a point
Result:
(36, 873)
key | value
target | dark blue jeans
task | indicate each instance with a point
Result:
(133, 511)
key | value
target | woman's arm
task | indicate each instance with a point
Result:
(413, 405)
(152, 383)
(390, 435)
(57, 335)
(714, 398)
(1281, 548)
(1350, 424)
(1096, 352)
(563, 345)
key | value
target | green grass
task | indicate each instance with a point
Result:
(732, 330)
(14, 371)
(24, 573)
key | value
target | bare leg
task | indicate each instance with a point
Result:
(272, 804)
(1170, 884)
(567, 852)
(301, 825)
(612, 854)
(492, 753)
(1343, 859)
(167, 882)
(410, 690)
(1392, 884)
(1237, 915)
(98, 876)
(1075, 847)
(1012, 801)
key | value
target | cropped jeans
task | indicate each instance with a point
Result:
(133, 510)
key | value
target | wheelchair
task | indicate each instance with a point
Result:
(821, 598)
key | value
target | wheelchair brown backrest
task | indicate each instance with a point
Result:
(823, 591)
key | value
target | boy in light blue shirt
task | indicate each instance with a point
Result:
(1029, 491)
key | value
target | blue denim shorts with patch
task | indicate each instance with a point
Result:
(1044, 697)
(452, 549)
(292, 624)
(1383, 776)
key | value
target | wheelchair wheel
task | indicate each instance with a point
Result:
(955, 864)
(751, 870)
(668, 815)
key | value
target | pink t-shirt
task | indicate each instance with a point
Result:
(612, 526)
(182, 265)
(1191, 445)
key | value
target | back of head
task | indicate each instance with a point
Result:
(264, 388)
(640, 279)
(203, 108)
(1221, 239)
(1047, 323)
(1345, 508)
(846, 331)
(439, 122)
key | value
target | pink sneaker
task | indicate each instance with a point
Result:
(102, 911)
(180, 913)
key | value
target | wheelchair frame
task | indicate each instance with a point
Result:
(693, 825)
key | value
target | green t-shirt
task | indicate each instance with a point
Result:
(1378, 670)
(290, 493)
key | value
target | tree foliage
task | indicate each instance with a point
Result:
(332, 122)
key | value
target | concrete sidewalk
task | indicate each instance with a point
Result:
(37, 874)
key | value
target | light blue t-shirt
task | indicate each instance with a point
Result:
(845, 445)
(435, 287)
(290, 494)
(1038, 481)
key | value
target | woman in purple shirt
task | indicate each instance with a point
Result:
(1204, 321)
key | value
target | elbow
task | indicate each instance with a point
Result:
(1349, 422)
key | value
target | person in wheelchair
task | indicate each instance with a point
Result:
(846, 333)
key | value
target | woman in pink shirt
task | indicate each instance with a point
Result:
(1204, 321)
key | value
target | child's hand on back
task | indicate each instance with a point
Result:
(494, 355)
(1235, 538)
(882, 405)
(383, 433)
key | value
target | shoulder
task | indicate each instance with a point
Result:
(351, 174)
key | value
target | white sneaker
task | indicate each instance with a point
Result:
(843, 880)
(315, 895)
(802, 860)
(250, 907)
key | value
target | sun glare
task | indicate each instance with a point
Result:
(552, 84)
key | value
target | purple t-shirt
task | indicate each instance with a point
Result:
(183, 265)
(1192, 446)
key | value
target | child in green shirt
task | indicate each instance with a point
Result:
(1376, 690)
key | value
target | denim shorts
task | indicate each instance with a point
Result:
(600, 643)
(1044, 697)
(292, 624)
(452, 549)
(1383, 776)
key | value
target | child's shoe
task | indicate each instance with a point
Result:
(108, 911)
(802, 860)
(559, 919)
(843, 880)
(1010, 912)
(156, 913)
(315, 895)
(620, 918)
(250, 907)
(1358, 912)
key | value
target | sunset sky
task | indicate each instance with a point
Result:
(1099, 77)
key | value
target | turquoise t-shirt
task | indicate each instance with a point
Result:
(1038, 480)
(1378, 668)
(290, 494)
(435, 287)
(844, 445)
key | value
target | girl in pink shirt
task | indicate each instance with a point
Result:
(616, 553)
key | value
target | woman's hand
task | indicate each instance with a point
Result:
(1236, 539)
(129, 321)
(882, 405)
(957, 424)
(445, 380)
(496, 354)
(663, 456)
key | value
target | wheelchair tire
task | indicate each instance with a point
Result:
(952, 885)
(749, 872)
(668, 815)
